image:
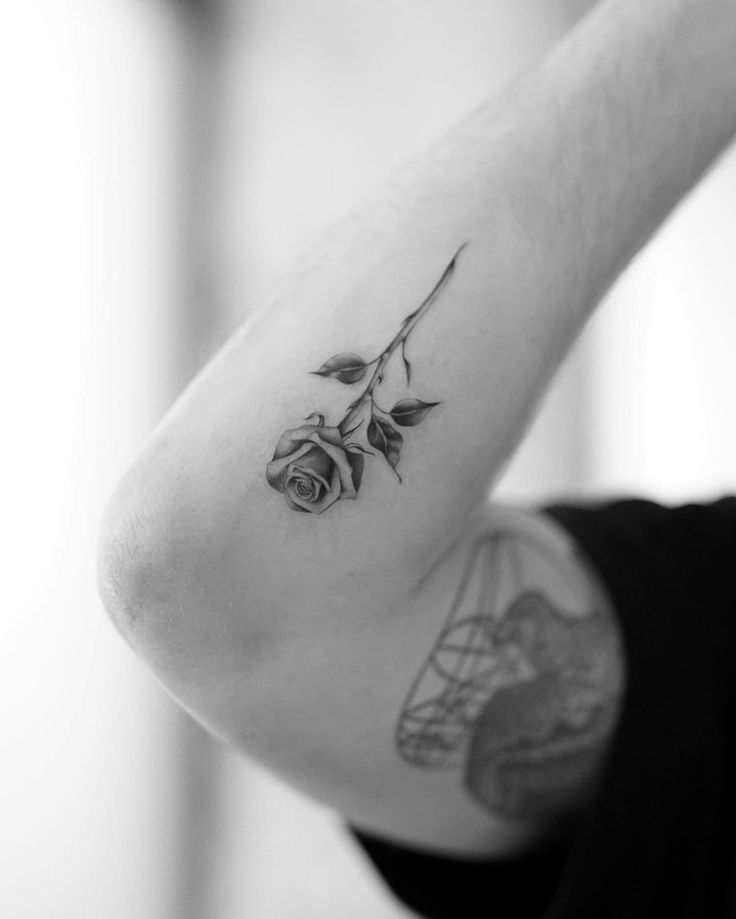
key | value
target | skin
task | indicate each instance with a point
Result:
(296, 636)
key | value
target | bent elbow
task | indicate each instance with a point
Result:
(135, 570)
(174, 579)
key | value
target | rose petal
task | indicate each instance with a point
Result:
(311, 490)
(317, 461)
(316, 507)
(277, 468)
(305, 502)
(312, 476)
(329, 435)
(357, 462)
(330, 496)
(291, 440)
(327, 499)
(297, 507)
(343, 467)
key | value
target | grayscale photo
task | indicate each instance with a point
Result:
(371, 459)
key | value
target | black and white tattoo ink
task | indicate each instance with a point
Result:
(517, 692)
(316, 465)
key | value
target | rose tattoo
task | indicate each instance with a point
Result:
(313, 468)
(315, 465)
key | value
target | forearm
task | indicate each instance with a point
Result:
(552, 188)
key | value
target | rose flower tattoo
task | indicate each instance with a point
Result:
(316, 465)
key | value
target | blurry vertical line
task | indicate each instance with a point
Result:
(199, 322)
(579, 403)
(584, 422)
(202, 312)
(581, 429)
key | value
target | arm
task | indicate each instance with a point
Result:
(545, 193)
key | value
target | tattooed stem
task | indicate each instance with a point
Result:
(399, 340)
(316, 464)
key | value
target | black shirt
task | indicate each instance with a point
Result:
(658, 840)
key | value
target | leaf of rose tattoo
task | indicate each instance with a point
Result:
(347, 368)
(356, 459)
(409, 412)
(387, 439)
(315, 465)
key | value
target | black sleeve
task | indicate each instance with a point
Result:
(452, 888)
(659, 838)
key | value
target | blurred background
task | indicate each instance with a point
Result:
(163, 163)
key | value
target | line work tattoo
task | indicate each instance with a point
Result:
(518, 692)
(316, 465)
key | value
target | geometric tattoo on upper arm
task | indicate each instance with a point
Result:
(316, 464)
(517, 692)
